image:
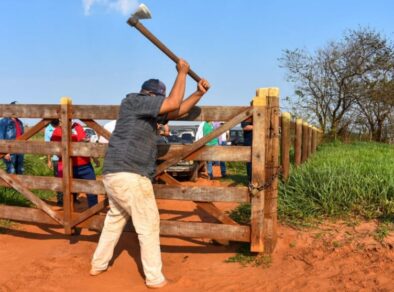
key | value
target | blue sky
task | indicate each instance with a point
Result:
(53, 48)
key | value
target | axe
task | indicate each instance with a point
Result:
(144, 13)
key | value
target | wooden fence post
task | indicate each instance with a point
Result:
(304, 155)
(298, 142)
(271, 170)
(285, 144)
(320, 137)
(65, 119)
(314, 135)
(309, 141)
(258, 170)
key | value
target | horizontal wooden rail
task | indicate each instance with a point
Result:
(30, 147)
(41, 111)
(110, 112)
(202, 194)
(205, 230)
(186, 193)
(169, 228)
(208, 153)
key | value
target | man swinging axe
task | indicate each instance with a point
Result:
(129, 167)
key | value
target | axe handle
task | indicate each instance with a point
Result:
(142, 29)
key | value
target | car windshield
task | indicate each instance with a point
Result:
(89, 132)
(173, 139)
(187, 138)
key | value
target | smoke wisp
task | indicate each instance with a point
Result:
(125, 7)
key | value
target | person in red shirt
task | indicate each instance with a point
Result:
(82, 167)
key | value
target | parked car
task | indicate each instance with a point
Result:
(186, 169)
(236, 137)
(91, 134)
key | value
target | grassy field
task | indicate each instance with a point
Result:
(339, 181)
(34, 165)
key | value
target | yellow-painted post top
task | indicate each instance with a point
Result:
(259, 101)
(286, 116)
(263, 92)
(273, 91)
(299, 121)
(66, 100)
(305, 124)
(267, 91)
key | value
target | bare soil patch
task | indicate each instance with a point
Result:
(332, 257)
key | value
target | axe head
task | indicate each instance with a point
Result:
(141, 13)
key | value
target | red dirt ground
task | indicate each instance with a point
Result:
(333, 257)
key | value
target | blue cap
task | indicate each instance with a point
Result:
(155, 86)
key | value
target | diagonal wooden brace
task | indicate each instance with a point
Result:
(17, 185)
(98, 128)
(174, 159)
(89, 212)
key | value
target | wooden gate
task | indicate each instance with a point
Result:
(262, 193)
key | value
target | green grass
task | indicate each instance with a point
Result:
(341, 180)
(5, 225)
(236, 173)
(245, 257)
(383, 230)
(34, 165)
(241, 214)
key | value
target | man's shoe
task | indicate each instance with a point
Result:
(158, 286)
(94, 272)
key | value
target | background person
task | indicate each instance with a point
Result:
(10, 129)
(247, 127)
(163, 131)
(82, 167)
(54, 159)
(223, 139)
(208, 128)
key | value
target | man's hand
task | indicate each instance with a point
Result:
(7, 157)
(182, 67)
(50, 166)
(203, 86)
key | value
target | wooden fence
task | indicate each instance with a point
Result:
(264, 155)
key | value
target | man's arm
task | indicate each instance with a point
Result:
(174, 100)
(248, 128)
(202, 88)
(247, 125)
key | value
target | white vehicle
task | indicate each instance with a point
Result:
(110, 127)
(91, 135)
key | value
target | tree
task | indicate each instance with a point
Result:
(333, 81)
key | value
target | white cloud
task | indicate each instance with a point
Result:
(87, 5)
(125, 7)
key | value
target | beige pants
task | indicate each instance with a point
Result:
(130, 194)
